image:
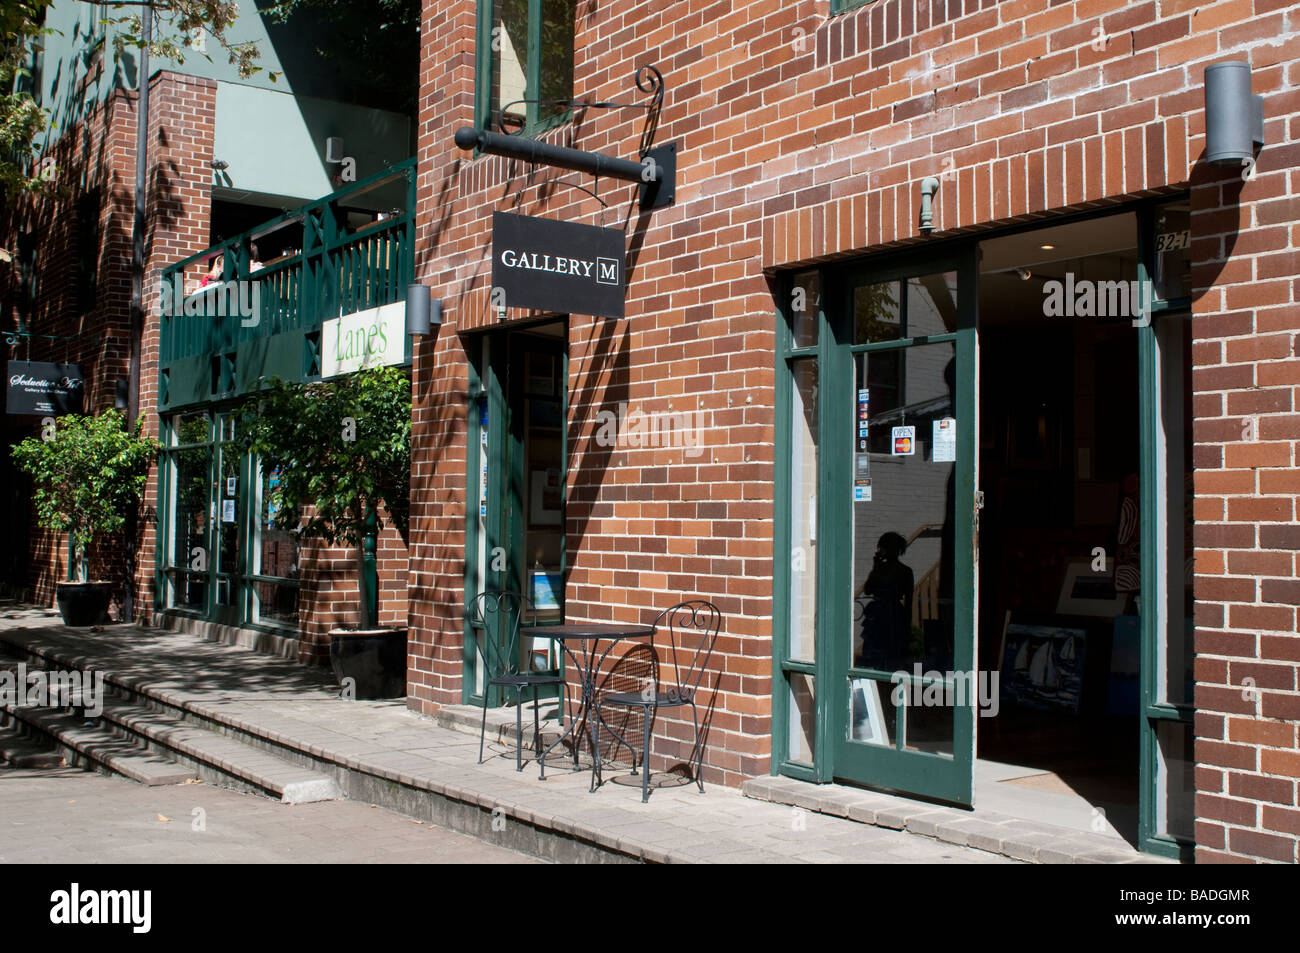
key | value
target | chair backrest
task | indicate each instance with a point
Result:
(691, 630)
(505, 609)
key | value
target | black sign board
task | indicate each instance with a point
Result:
(557, 266)
(37, 388)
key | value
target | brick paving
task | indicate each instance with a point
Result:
(65, 815)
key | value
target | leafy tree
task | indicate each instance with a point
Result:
(368, 53)
(340, 447)
(88, 474)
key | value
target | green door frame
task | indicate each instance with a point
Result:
(1154, 710)
(498, 562)
(1152, 566)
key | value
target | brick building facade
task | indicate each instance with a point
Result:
(79, 315)
(804, 133)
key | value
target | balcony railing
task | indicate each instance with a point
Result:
(213, 345)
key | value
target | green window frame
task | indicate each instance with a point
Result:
(547, 67)
(844, 6)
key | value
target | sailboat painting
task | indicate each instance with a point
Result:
(1043, 666)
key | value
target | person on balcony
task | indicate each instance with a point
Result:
(214, 273)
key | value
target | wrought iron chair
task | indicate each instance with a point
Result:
(694, 621)
(503, 661)
(633, 670)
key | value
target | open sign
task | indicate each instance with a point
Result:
(904, 441)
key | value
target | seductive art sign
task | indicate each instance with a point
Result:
(557, 266)
(37, 388)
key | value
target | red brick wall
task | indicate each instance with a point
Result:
(182, 122)
(97, 154)
(803, 137)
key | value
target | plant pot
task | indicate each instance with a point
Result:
(375, 660)
(83, 603)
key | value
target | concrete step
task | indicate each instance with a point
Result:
(218, 758)
(19, 751)
(86, 744)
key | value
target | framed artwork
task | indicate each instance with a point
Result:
(545, 498)
(1043, 666)
(866, 714)
(1091, 593)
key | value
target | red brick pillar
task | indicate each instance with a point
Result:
(1246, 382)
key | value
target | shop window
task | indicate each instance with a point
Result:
(525, 63)
(276, 564)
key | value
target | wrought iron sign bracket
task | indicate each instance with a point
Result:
(655, 173)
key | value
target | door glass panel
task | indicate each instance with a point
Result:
(803, 718)
(1174, 466)
(876, 313)
(228, 520)
(903, 505)
(275, 554)
(1175, 787)
(916, 307)
(189, 543)
(804, 462)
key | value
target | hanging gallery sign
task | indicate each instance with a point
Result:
(39, 388)
(564, 267)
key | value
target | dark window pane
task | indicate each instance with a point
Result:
(556, 56)
(509, 43)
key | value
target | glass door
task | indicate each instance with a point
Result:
(516, 487)
(899, 452)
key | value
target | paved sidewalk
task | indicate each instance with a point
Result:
(279, 702)
(70, 816)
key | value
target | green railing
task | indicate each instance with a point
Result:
(211, 348)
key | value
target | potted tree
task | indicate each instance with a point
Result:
(341, 448)
(88, 472)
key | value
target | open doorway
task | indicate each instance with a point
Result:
(1060, 465)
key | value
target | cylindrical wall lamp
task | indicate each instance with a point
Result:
(423, 311)
(1234, 118)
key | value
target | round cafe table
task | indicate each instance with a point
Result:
(579, 641)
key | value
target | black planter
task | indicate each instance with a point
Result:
(83, 603)
(375, 659)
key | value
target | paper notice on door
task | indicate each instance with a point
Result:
(943, 446)
(227, 511)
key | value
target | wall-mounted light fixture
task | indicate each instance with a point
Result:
(334, 149)
(122, 393)
(929, 186)
(220, 164)
(423, 311)
(1234, 118)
